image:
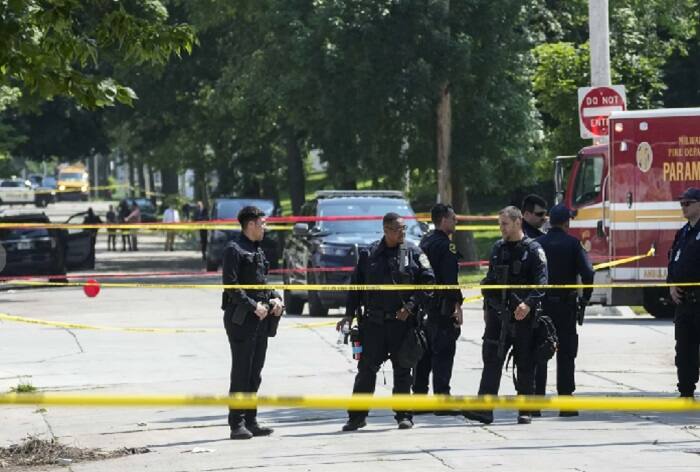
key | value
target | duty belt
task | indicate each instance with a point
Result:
(560, 296)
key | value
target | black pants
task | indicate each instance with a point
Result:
(111, 240)
(379, 343)
(522, 338)
(687, 347)
(438, 359)
(248, 349)
(203, 242)
(563, 315)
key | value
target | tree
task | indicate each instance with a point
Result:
(57, 47)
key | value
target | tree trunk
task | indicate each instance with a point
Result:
(170, 182)
(443, 133)
(142, 180)
(464, 240)
(295, 172)
(151, 183)
(132, 177)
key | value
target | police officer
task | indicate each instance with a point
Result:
(684, 266)
(445, 310)
(534, 215)
(389, 317)
(250, 317)
(566, 259)
(510, 314)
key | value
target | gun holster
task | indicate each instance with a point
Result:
(239, 314)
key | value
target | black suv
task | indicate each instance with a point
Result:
(37, 251)
(227, 209)
(335, 244)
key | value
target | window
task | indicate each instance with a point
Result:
(588, 180)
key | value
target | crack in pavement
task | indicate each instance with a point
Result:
(294, 464)
(614, 382)
(439, 459)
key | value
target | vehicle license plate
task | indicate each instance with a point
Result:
(22, 245)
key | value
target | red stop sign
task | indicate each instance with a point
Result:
(595, 105)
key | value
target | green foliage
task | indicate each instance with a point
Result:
(23, 387)
(55, 47)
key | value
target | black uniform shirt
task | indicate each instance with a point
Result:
(380, 265)
(566, 259)
(244, 263)
(444, 259)
(684, 258)
(527, 265)
(532, 232)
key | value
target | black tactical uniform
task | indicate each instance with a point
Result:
(684, 266)
(566, 259)
(440, 327)
(525, 263)
(244, 263)
(382, 335)
(532, 232)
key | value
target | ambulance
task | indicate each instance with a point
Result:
(625, 194)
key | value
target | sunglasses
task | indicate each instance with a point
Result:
(541, 214)
(396, 229)
(687, 203)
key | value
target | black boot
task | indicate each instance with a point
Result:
(258, 430)
(240, 432)
(354, 424)
(485, 417)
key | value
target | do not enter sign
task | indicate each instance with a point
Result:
(595, 105)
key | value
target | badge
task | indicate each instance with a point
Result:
(697, 236)
(524, 256)
(543, 256)
(678, 256)
(453, 248)
(423, 259)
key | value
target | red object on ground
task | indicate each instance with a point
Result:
(91, 288)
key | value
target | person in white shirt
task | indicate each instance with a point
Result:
(170, 215)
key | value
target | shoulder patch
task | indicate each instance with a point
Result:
(543, 256)
(453, 247)
(424, 262)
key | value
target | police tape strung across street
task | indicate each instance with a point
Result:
(362, 402)
(128, 329)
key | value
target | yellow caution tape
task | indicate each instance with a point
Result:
(362, 402)
(607, 265)
(61, 324)
(345, 288)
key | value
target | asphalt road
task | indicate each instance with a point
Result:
(620, 354)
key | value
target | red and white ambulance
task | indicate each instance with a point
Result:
(624, 193)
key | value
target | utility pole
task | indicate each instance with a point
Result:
(443, 128)
(599, 42)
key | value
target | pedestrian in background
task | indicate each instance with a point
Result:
(111, 217)
(123, 214)
(92, 219)
(170, 215)
(134, 217)
(201, 213)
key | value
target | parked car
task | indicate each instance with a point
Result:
(227, 209)
(42, 251)
(336, 244)
(21, 192)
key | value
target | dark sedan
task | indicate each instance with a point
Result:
(42, 251)
(227, 209)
